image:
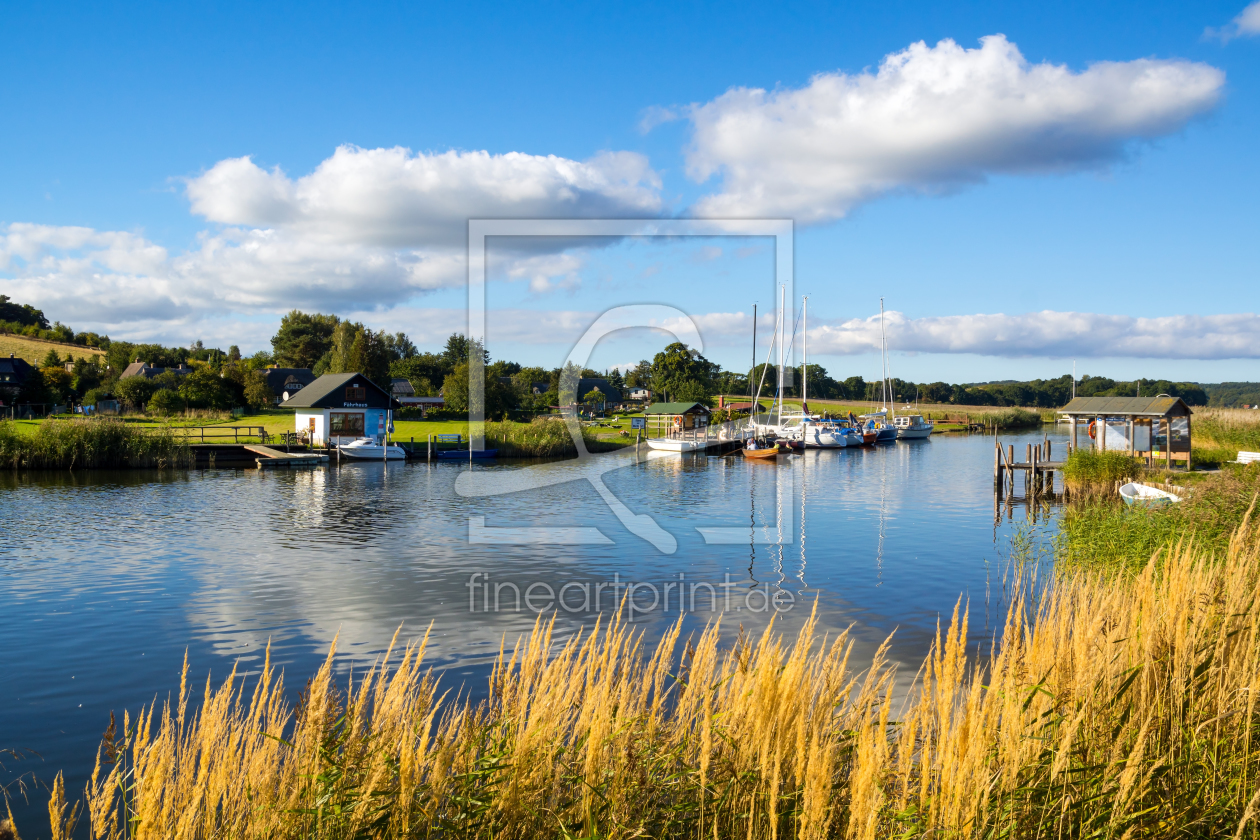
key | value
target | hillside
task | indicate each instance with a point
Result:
(33, 350)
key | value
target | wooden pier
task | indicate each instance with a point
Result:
(274, 458)
(1037, 469)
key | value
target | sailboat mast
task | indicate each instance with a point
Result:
(804, 352)
(753, 372)
(883, 362)
(782, 326)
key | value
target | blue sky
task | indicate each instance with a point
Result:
(1035, 182)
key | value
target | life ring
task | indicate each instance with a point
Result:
(1092, 432)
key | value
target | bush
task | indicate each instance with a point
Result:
(166, 403)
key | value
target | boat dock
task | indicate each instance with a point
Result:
(1037, 469)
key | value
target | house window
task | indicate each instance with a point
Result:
(356, 393)
(343, 424)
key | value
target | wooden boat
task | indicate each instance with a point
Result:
(762, 454)
(463, 454)
(1140, 494)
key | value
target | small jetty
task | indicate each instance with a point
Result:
(1036, 470)
(274, 458)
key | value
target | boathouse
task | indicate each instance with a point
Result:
(1152, 428)
(677, 416)
(341, 407)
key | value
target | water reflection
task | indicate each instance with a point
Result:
(109, 577)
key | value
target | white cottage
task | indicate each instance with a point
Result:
(341, 407)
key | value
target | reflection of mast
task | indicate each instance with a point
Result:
(801, 574)
(883, 509)
(778, 515)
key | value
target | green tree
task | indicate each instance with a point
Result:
(616, 380)
(677, 366)
(135, 391)
(234, 354)
(303, 339)
(166, 402)
(356, 349)
(51, 360)
(203, 388)
(257, 394)
(640, 376)
(500, 397)
(33, 391)
(425, 371)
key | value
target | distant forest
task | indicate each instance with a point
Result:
(325, 343)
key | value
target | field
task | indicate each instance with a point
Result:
(33, 350)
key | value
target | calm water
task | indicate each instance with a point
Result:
(108, 578)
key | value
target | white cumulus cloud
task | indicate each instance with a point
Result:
(931, 119)
(1049, 334)
(1246, 23)
(396, 198)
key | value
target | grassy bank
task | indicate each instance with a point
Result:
(1114, 706)
(1101, 531)
(101, 443)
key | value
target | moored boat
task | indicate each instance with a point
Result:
(367, 449)
(1140, 494)
(674, 444)
(762, 454)
(912, 426)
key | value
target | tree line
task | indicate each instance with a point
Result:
(329, 344)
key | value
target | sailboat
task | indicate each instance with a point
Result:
(881, 422)
(813, 433)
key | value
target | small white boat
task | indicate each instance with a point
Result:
(367, 449)
(674, 444)
(912, 426)
(1140, 494)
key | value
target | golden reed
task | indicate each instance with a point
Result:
(1112, 706)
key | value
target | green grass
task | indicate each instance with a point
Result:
(101, 443)
(1089, 468)
(1105, 532)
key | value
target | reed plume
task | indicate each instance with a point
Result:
(1111, 706)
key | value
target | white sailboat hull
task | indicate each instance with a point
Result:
(914, 434)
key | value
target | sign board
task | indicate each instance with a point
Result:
(638, 422)
(452, 438)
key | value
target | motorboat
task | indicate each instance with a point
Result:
(1140, 494)
(876, 424)
(679, 445)
(912, 427)
(823, 435)
(368, 449)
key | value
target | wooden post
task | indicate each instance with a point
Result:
(997, 460)
(428, 455)
(1072, 428)
(1189, 444)
(1102, 435)
(1131, 433)
(1032, 467)
(1010, 466)
(1168, 440)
